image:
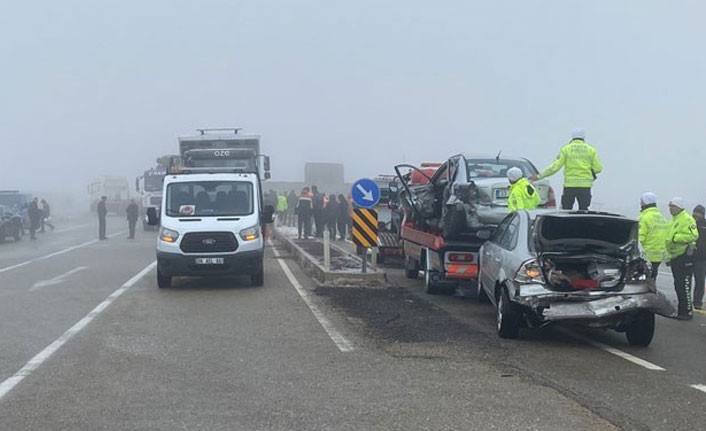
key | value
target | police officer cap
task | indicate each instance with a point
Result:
(578, 134)
(514, 174)
(648, 198)
(677, 202)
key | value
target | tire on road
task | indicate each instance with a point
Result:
(508, 317)
(641, 331)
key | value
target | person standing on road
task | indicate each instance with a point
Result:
(581, 165)
(343, 215)
(331, 216)
(132, 211)
(318, 211)
(282, 208)
(304, 211)
(680, 244)
(652, 231)
(291, 206)
(523, 195)
(46, 216)
(35, 216)
(699, 214)
(102, 211)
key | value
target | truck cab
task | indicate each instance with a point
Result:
(212, 217)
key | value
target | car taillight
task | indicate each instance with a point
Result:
(461, 257)
(551, 199)
(530, 272)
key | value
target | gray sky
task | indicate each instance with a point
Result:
(90, 88)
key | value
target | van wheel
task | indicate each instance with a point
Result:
(163, 281)
(641, 331)
(258, 279)
(411, 268)
(508, 317)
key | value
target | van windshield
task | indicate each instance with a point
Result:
(209, 198)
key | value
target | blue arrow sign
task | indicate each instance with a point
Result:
(365, 193)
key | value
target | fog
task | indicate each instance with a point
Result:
(90, 88)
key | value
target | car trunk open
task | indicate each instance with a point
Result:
(579, 251)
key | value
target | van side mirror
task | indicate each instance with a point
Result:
(268, 214)
(152, 219)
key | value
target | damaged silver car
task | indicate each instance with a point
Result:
(582, 268)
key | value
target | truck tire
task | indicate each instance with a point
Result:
(163, 281)
(508, 317)
(411, 268)
(258, 280)
(641, 331)
(454, 222)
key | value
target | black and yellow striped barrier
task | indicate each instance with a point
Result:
(365, 227)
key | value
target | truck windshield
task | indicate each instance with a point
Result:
(491, 168)
(209, 198)
(153, 183)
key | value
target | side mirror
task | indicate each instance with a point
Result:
(484, 234)
(152, 218)
(268, 175)
(267, 163)
(268, 214)
(137, 185)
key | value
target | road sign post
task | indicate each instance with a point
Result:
(366, 194)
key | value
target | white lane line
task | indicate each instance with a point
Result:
(56, 253)
(699, 387)
(341, 342)
(56, 280)
(612, 350)
(48, 351)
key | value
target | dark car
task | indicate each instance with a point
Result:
(10, 225)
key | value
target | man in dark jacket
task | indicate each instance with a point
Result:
(46, 215)
(304, 210)
(318, 211)
(700, 257)
(102, 211)
(35, 217)
(331, 216)
(291, 208)
(132, 211)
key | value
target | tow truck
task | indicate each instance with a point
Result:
(449, 214)
(213, 218)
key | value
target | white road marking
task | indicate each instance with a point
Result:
(48, 351)
(56, 253)
(56, 280)
(699, 387)
(341, 342)
(612, 350)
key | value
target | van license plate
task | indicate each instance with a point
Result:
(501, 193)
(209, 261)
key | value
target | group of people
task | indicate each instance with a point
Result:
(132, 211)
(680, 243)
(314, 213)
(39, 214)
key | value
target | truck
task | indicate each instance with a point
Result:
(449, 214)
(115, 188)
(149, 188)
(212, 219)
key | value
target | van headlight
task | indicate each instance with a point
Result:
(250, 234)
(168, 235)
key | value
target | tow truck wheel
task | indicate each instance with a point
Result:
(641, 330)
(163, 281)
(258, 279)
(508, 317)
(411, 268)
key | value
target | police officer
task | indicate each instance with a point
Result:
(581, 165)
(132, 215)
(680, 245)
(102, 211)
(282, 207)
(652, 231)
(523, 195)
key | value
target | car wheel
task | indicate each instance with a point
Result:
(508, 317)
(411, 268)
(258, 279)
(163, 281)
(641, 331)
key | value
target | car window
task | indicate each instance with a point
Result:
(500, 230)
(509, 239)
(492, 168)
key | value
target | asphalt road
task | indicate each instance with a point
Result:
(88, 341)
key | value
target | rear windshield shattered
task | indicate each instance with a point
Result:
(607, 230)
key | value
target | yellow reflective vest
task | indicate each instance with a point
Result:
(580, 162)
(653, 233)
(682, 233)
(523, 196)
